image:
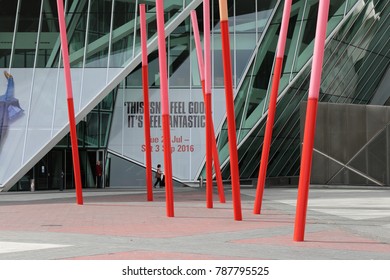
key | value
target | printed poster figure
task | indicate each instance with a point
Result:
(10, 109)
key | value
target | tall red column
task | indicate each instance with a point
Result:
(69, 98)
(310, 122)
(223, 12)
(145, 85)
(162, 57)
(217, 166)
(207, 73)
(272, 107)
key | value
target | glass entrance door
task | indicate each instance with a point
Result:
(101, 158)
(55, 170)
(89, 159)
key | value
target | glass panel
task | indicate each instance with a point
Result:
(245, 17)
(368, 85)
(245, 45)
(26, 35)
(195, 78)
(336, 12)
(108, 101)
(92, 131)
(343, 80)
(77, 37)
(217, 63)
(123, 31)
(99, 28)
(49, 32)
(351, 3)
(64, 142)
(81, 127)
(249, 157)
(288, 160)
(173, 5)
(245, 35)
(105, 121)
(179, 60)
(240, 107)
(264, 10)
(135, 78)
(7, 23)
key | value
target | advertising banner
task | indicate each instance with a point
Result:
(187, 119)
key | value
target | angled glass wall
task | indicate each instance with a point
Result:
(356, 58)
(104, 48)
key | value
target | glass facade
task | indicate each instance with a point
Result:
(104, 46)
(356, 59)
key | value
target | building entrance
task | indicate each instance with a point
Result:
(88, 160)
(55, 171)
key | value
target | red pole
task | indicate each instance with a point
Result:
(223, 12)
(272, 107)
(145, 84)
(207, 72)
(162, 56)
(310, 122)
(69, 97)
(217, 167)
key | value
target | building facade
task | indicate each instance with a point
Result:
(105, 57)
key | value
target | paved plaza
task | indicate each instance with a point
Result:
(119, 224)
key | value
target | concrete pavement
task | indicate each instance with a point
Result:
(119, 224)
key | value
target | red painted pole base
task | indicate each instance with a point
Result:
(168, 166)
(75, 152)
(148, 150)
(304, 176)
(235, 177)
(217, 165)
(209, 165)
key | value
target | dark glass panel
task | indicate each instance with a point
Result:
(26, 36)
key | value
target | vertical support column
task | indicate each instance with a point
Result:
(272, 107)
(162, 56)
(207, 74)
(310, 122)
(69, 97)
(217, 166)
(223, 12)
(145, 85)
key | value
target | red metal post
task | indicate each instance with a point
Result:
(207, 73)
(217, 167)
(272, 107)
(162, 56)
(310, 122)
(230, 110)
(69, 97)
(145, 84)
(304, 177)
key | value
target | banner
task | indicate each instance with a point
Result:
(187, 120)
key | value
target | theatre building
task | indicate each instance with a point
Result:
(352, 144)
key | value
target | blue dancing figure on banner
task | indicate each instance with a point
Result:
(10, 109)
